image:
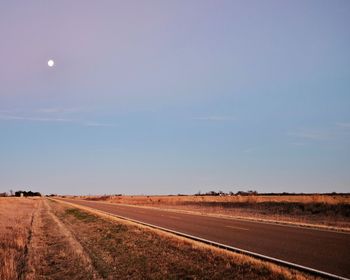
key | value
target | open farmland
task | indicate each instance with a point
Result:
(16, 220)
(34, 245)
(312, 210)
(43, 239)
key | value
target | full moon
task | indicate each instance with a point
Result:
(51, 63)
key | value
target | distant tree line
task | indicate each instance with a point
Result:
(19, 193)
(221, 193)
(251, 192)
(25, 193)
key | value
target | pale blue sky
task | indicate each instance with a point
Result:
(160, 97)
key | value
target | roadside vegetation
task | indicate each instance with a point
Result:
(331, 210)
(53, 252)
(44, 239)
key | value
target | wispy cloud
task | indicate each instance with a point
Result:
(49, 110)
(54, 110)
(7, 117)
(35, 119)
(337, 131)
(343, 124)
(311, 134)
(98, 124)
(298, 143)
(216, 118)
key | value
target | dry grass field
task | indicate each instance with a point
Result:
(34, 246)
(44, 239)
(176, 199)
(322, 210)
(16, 218)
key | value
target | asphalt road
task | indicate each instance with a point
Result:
(327, 251)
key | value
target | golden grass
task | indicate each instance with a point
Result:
(35, 245)
(159, 199)
(16, 216)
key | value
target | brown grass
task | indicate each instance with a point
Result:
(16, 216)
(312, 210)
(35, 245)
(176, 199)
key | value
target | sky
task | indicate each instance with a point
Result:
(168, 97)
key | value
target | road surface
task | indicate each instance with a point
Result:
(328, 251)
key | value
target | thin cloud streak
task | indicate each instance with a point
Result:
(56, 110)
(97, 124)
(216, 118)
(310, 134)
(343, 124)
(54, 120)
(35, 119)
(337, 131)
(297, 143)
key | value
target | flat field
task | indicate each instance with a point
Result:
(43, 239)
(317, 209)
(16, 221)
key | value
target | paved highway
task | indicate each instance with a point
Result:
(323, 250)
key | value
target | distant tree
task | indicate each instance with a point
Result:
(18, 193)
(25, 193)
